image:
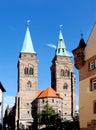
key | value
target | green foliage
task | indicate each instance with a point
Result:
(48, 116)
(48, 110)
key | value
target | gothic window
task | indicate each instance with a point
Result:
(65, 86)
(93, 84)
(62, 72)
(29, 84)
(26, 71)
(31, 71)
(67, 73)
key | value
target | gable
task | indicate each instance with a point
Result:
(90, 49)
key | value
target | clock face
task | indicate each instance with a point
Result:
(29, 85)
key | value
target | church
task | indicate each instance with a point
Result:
(60, 95)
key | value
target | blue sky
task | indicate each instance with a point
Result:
(46, 15)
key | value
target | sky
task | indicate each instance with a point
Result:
(76, 16)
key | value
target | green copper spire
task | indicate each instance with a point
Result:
(27, 44)
(61, 48)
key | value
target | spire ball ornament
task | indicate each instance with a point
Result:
(28, 22)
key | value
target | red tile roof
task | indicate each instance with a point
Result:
(48, 92)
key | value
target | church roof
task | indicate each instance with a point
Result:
(27, 44)
(61, 47)
(48, 92)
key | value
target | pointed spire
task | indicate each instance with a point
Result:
(61, 47)
(27, 44)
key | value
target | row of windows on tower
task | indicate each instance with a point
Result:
(28, 71)
(65, 73)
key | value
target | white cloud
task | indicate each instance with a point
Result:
(51, 45)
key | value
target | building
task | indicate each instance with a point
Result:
(2, 90)
(63, 77)
(51, 97)
(61, 94)
(27, 82)
(85, 62)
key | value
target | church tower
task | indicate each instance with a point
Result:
(27, 83)
(63, 77)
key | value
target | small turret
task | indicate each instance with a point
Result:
(78, 53)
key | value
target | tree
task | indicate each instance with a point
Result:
(48, 116)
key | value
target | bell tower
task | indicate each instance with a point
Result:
(63, 77)
(27, 83)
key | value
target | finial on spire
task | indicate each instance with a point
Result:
(28, 22)
(61, 27)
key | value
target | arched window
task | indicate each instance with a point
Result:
(62, 72)
(26, 71)
(29, 84)
(65, 86)
(31, 71)
(67, 72)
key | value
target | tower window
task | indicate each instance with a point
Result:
(67, 73)
(26, 71)
(62, 72)
(65, 86)
(29, 84)
(62, 49)
(31, 71)
(58, 50)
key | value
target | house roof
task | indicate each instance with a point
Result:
(48, 92)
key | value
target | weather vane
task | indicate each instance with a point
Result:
(61, 27)
(28, 22)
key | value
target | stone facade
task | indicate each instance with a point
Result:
(63, 81)
(27, 88)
